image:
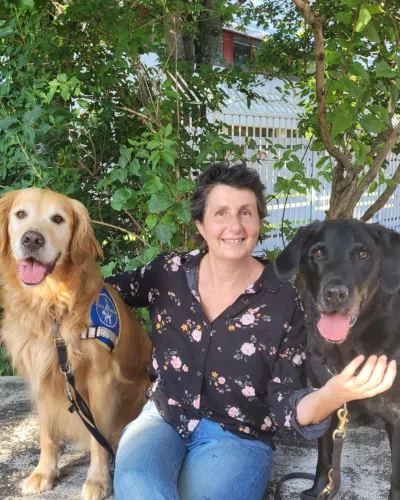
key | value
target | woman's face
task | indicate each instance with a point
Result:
(231, 222)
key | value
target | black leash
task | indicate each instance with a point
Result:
(77, 402)
(333, 486)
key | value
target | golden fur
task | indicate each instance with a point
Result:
(113, 384)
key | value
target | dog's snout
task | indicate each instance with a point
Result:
(32, 240)
(336, 294)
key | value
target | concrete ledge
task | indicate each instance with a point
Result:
(365, 462)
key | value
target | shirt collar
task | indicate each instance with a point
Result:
(267, 280)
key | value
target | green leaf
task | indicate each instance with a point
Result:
(344, 17)
(120, 198)
(375, 9)
(159, 202)
(151, 221)
(107, 270)
(364, 149)
(364, 18)
(32, 115)
(119, 174)
(168, 130)
(165, 230)
(184, 185)
(168, 158)
(370, 33)
(6, 31)
(29, 133)
(125, 156)
(62, 78)
(357, 69)
(384, 70)
(6, 122)
(321, 161)
(152, 186)
(372, 125)
(341, 122)
(182, 211)
(65, 94)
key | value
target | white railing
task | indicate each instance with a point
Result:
(299, 209)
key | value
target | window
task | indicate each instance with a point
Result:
(241, 51)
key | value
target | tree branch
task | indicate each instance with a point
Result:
(121, 229)
(380, 157)
(316, 21)
(383, 198)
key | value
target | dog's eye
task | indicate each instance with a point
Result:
(58, 219)
(21, 214)
(363, 254)
(318, 254)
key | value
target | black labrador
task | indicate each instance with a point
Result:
(350, 282)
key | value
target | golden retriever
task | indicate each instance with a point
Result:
(48, 273)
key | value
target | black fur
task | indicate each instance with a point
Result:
(331, 255)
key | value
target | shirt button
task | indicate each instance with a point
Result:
(199, 373)
(245, 301)
(203, 350)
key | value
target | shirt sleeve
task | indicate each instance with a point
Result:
(135, 286)
(288, 382)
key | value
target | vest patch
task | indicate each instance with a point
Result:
(105, 319)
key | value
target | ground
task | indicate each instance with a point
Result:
(365, 461)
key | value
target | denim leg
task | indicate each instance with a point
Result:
(149, 459)
(222, 466)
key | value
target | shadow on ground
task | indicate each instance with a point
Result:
(365, 462)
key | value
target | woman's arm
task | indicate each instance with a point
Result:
(134, 286)
(375, 377)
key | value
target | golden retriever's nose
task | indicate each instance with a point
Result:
(33, 240)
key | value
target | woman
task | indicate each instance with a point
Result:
(227, 365)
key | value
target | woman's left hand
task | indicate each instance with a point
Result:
(376, 376)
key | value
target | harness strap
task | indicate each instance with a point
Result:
(78, 404)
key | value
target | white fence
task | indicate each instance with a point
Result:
(299, 209)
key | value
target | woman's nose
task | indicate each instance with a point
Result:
(235, 223)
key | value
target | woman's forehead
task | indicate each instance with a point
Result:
(230, 196)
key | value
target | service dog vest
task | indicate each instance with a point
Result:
(106, 323)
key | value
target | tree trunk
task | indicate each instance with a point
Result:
(343, 196)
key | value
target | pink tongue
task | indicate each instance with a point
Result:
(334, 326)
(31, 272)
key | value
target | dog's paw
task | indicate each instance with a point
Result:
(38, 483)
(95, 490)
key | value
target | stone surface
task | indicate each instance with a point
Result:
(365, 461)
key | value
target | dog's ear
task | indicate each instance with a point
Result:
(288, 260)
(84, 245)
(389, 241)
(6, 202)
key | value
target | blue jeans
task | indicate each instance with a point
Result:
(154, 463)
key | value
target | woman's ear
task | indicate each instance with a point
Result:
(200, 227)
(84, 245)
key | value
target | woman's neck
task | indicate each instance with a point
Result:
(224, 273)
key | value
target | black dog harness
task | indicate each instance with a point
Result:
(333, 486)
(105, 329)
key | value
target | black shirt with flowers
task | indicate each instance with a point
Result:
(244, 370)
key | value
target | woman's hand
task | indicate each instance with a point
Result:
(376, 376)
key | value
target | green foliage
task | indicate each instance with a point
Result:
(5, 364)
(361, 77)
(80, 114)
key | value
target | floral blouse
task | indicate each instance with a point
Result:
(245, 370)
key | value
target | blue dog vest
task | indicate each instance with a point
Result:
(106, 322)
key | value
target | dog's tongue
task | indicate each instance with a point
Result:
(334, 326)
(32, 272)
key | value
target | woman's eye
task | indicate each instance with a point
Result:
(245, 212)
(58, 219)
(221, 213)
(21, 214)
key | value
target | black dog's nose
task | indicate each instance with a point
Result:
(336, 294)
(33, 240)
